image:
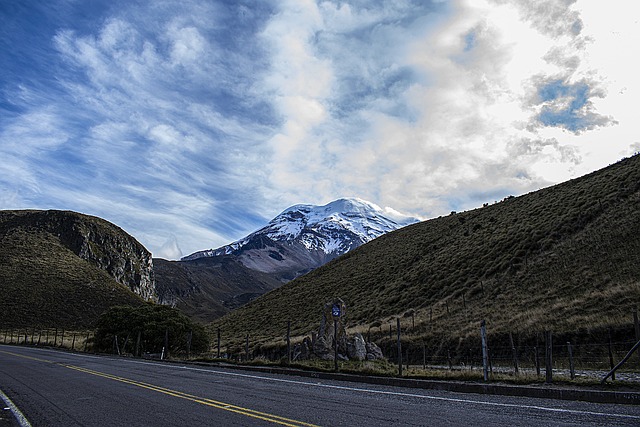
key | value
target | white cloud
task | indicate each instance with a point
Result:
(201, 120)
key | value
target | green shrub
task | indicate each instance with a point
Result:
(153, 322)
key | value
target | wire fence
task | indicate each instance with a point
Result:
(575, 355)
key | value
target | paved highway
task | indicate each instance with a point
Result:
(54, 388)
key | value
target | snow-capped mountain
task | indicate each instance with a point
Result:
(208, 284)
(304, 237)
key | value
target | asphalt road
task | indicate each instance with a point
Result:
(55, 388)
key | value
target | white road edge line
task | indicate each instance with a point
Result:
(392, 393)
(22, 420)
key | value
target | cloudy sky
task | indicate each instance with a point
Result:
(191, 123)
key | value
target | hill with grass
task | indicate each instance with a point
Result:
(63, 269)
(564, 258)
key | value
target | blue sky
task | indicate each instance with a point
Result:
(192, 123)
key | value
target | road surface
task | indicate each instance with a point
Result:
(55, 388)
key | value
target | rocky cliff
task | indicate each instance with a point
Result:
(93, 239)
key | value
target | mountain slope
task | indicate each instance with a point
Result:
(60, 268)
(564, 258)
(208, 284)
(208, 288)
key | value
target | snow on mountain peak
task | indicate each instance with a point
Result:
(334, 228)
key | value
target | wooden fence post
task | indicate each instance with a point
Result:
(166, 344)
(424, 356)
(335, 344)
(636, 326)
(515, 355)
(611, 364)
(218, 343)
(137, 343)
(246, 348)
(548, 359)
(399, 348)
(572, 372)
(485, 356)
(288, 342)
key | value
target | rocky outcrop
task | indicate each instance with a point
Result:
(97, 241)
(321, 344)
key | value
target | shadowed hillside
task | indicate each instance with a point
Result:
(209, 287)
(64, 269)
(565, 257)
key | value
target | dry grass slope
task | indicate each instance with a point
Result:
(45, 284)
(563, 258)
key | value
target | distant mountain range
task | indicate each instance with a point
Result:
(298, 240)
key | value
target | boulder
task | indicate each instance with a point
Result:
(357, 348)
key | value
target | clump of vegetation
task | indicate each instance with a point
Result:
(118, 328)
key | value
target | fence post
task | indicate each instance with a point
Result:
(288, 342)
(572, 372)
(218, 343)
(424, 356)
(166, 343)
(485, 358)
(335, 344)
(399, 348)
(613, 375)
(73, 343)
(137, 343)
(246, 347)
(548, 357)
(515, 355)
(636, 326)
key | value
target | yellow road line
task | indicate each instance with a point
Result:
(202, 400)
(205, 401)
(26, 357)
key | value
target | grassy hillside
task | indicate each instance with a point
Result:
(45, 284)
(565, 258)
